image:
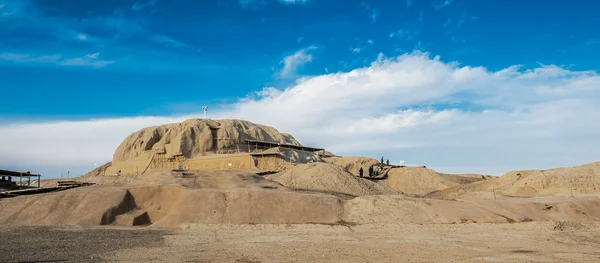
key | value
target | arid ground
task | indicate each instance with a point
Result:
(522, 242)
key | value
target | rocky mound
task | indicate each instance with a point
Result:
(584, 179)
(423, 181)
(329, 178)
(195, 137)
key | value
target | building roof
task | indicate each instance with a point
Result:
(284, 145)
(16, 174)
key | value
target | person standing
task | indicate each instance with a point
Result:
(360, 172)
(370, 170)
(381, 159)
(387, 161)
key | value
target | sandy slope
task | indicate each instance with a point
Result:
(578, 181)
(327, 177)
(422, 181)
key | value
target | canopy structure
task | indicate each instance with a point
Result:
(264, 144)
(6, 177)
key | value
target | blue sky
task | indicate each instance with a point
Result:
(66, 61)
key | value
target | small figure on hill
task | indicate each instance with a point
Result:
(387, 161)
(370, 170)
(381, 159)
(360, 172)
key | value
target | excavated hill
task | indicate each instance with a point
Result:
(422, 181)
(327, 178)
(181, 200)
(351, 164)
(165, 200)
(195, 137)
(577, 180)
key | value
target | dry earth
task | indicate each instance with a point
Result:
(524, 242)
(313, 213)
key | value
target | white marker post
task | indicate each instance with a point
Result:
(205, 108)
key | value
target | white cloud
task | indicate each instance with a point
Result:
(355, 50)
(415, 108)
(82, 37)
(292, 62)
(90, 60)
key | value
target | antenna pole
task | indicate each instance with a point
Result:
(205, 108)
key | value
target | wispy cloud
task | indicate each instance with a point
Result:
(256, 4)
(293, 1)
(140, 6)
(403, 34)
(89, 60)
(299, 39)
(162, 39)
(361, 45)
(409, 3)
(592, 41)
(442, 4)
(82, 37)
(292, 62)
(373, 12)
(454, 25)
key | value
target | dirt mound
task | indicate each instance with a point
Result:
(577, 180)
(170, 206)
(195, 137)
(423, 181)
(329, 178)
(404, 210)
(352, 164)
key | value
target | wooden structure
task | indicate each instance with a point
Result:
(263, 145)
(6, 178)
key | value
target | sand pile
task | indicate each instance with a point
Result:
(195, 137)
(584, 179)
(329, 178)
(352, 164)
(422, 181)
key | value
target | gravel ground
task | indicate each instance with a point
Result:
(52, 244)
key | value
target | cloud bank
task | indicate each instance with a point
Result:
(413, 107)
